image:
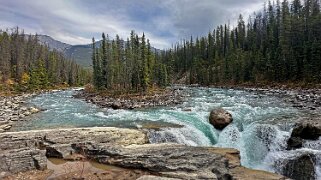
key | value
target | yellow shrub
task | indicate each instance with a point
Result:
(25, 78)
(10, 82)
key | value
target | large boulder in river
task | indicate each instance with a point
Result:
(306, 129)
(220, 118)
(301, 168)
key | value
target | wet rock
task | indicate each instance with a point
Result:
(307, 129)
(294, 143)
(220, 118)
(301, 168)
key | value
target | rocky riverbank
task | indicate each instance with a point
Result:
(13, 109)
(162, 98)
(125, 148)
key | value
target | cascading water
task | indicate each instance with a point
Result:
(261, 126)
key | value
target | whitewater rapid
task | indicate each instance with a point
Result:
(262, 123)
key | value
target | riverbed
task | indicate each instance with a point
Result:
(262, 122)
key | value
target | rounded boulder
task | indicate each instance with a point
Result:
(220, 118)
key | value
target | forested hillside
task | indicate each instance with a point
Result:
(280, 44)
(25, 64)
(127, 66)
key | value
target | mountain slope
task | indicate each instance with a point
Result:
(52, 43)
(80, 53)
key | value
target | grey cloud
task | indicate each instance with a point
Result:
(163, 21)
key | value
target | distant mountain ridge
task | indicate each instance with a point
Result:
(52, 43)
(80, 53)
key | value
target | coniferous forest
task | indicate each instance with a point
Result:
(26, 65)
(127, 66)
(280, 44)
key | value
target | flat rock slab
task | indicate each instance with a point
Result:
(175, 161)
(31, 139)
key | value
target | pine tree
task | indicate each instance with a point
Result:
(104, 63)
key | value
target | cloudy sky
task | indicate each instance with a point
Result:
(163, 21)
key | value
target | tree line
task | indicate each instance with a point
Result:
(127, 66)
(25, 64)
(280, 44)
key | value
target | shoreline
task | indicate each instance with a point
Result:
(162, 98)
(14, 109)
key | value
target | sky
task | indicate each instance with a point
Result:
(164, 22)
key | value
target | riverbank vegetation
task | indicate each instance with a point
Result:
(27, 65)
(279, 45)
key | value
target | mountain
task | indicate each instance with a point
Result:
(80, 53)
(52, 43)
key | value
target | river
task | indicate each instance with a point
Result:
(262, 123)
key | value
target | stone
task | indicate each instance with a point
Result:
(294, 143)
(307, 129)
(5, 126)
(243, 173)
(4, 174)
(21, 160)
(14, 118)
(300, 168)
(170, 160)
(116, 105)
(220, 118)
(3, 123)
(26, 113)
(176, 161)
(34, 110)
